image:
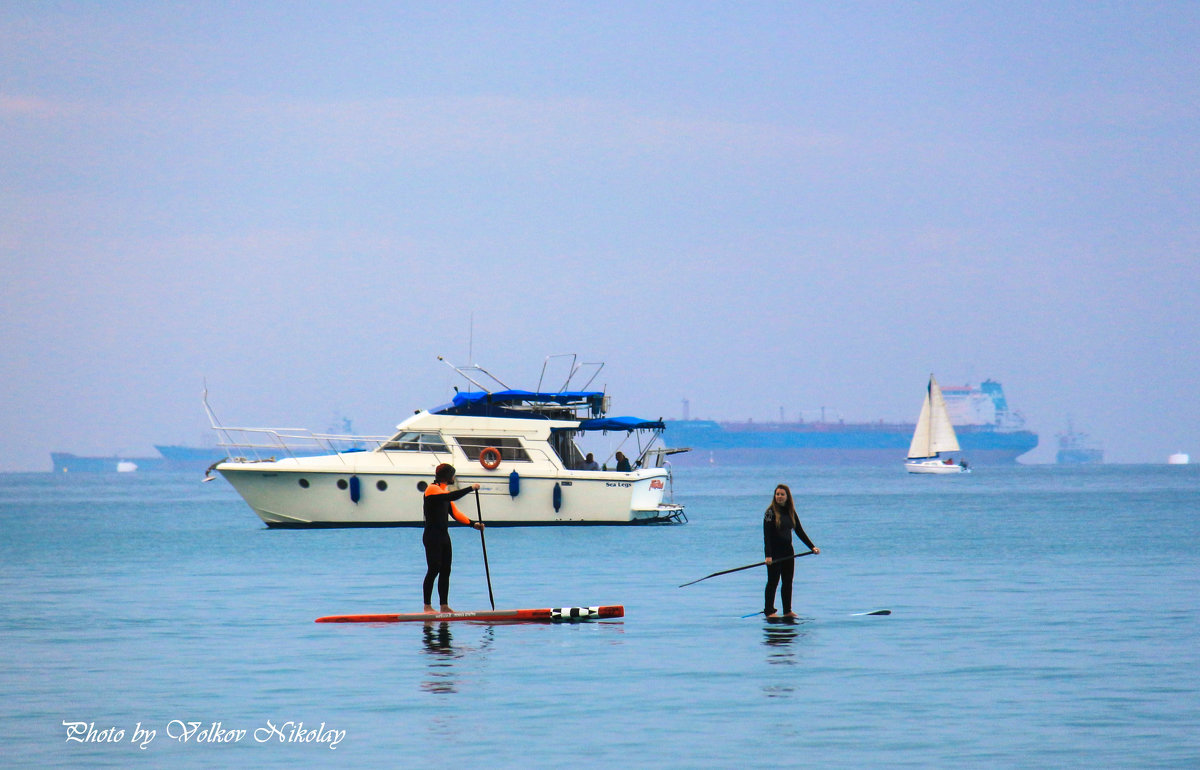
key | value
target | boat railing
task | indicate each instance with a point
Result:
(261, 444)
(658, 456)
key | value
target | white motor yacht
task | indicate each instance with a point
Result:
(519, 446)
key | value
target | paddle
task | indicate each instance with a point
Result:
(486, 571)
(748, 566)
(852, 614)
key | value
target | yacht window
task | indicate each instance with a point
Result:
(510, 448)
(412, 441)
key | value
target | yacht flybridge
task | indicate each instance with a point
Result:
(519, 446)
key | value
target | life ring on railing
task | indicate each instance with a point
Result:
(490, 458)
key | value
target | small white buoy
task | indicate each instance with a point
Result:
(125, 466)
(1179, 458)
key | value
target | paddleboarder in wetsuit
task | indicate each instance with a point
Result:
(439, 507)
(778, 523)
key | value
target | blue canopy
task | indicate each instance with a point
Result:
(499, 403)
(620, 423)
(517, 396)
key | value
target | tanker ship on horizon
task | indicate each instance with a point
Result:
(988, 432)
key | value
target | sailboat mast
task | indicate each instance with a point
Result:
(932, 416)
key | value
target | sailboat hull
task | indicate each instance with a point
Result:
(933, 466)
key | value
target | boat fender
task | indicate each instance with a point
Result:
(557, 497)
(355, 489)
(490, 458)
(514, 484)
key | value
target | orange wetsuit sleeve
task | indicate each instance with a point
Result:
(441, 489)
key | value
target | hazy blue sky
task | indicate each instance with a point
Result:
(746, 205)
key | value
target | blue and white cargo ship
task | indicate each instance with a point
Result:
(989, 433)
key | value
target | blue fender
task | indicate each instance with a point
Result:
(514, 484)
(557, 497)
(355, 490)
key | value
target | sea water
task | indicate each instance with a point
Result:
(1041, 616)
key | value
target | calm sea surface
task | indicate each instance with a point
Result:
(1042, 616)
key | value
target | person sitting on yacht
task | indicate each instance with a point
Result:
(589, 463)
(623, 463)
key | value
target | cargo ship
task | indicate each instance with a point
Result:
(988, 432)
(171, 458)
(175, 457)
(64, 462)
(1075, 448)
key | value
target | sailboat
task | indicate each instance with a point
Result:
(934, 435)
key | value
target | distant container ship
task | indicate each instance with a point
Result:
(66, 462)
(171, 458)
(1075, 448)
(988, 431)
(177, 457)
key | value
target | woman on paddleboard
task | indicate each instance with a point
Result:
(439, 507)
(778, 523)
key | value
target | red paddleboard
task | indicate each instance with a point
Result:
(557, 615)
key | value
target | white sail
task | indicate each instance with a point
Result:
(934, 432)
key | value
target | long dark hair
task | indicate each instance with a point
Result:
(785, 515)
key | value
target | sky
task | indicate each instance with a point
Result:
(748, 206)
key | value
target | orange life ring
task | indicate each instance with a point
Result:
(490, 458)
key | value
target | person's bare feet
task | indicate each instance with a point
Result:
(429, 610)
(445, 608)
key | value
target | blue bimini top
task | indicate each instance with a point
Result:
(502, 403)
(621, 423)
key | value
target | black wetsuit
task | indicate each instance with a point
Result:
(438, 554)
(777, 544)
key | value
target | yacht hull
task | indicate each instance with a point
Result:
(932, 466)
(307, 498)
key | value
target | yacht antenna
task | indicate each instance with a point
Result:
(471, 340)
(462, 370)
(571, 369)
(599, 365)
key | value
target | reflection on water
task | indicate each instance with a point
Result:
(779, 637)
(438, 644)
